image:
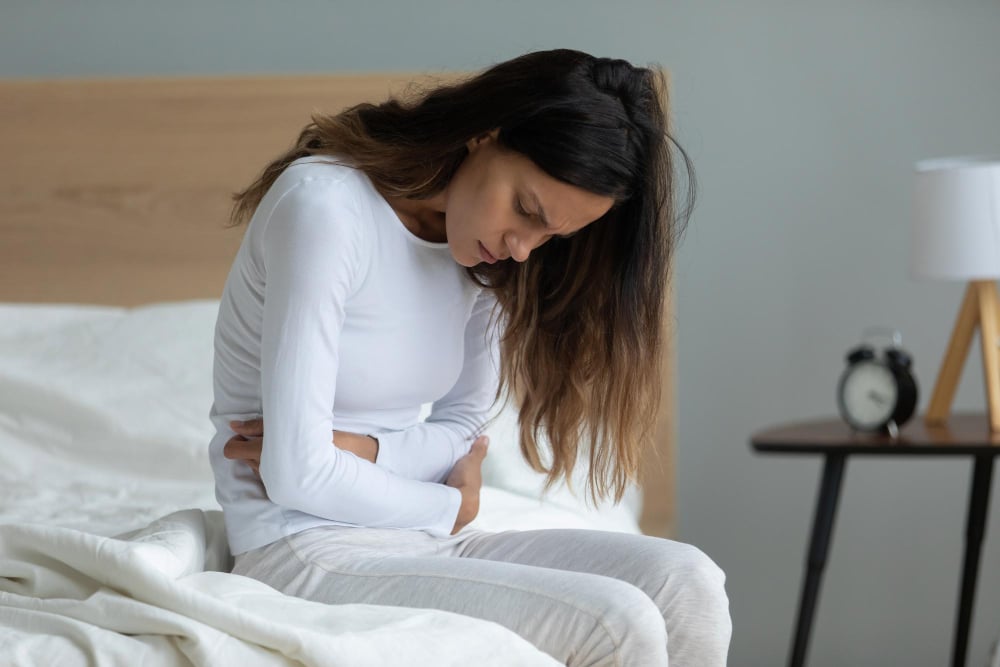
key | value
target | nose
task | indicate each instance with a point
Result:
(521, 244)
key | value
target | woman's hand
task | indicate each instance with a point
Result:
(245, 447)
(248, 442)
(467, 477)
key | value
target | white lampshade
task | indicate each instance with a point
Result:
(956, 219)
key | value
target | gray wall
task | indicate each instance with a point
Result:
(803, 121)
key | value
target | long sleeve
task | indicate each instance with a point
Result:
(427, 451)
(313, 253)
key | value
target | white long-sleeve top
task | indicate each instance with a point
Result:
(335, 316)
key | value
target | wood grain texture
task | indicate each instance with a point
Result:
(989, 335)
(955, 356)
(117, 191)
(658, 478)
(964, 433)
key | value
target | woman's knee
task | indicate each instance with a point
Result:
(703, 570)
(695, 607)
(685, 572)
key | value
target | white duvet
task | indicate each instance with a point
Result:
(112, 550)
(157, 597)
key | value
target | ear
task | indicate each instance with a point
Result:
(485, 136)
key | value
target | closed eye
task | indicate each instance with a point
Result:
(520, 210)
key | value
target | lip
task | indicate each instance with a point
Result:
(485, 254)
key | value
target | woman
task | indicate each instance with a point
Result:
(509, 234)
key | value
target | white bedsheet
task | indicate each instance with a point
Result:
(103, 433)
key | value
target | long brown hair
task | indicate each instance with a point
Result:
(583, 333)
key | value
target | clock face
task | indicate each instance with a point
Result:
(869, 395)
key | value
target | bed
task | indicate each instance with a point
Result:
(113, 254)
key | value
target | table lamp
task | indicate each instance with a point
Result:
(956, 236)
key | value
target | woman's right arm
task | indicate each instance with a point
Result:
(313, 248)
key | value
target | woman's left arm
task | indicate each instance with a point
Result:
(429, 450)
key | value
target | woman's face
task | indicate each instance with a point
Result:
(496, 201)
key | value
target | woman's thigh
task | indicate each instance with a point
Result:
(579, 618)
(685, 584)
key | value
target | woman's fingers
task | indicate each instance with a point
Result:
(251, 427)
(480, 446)
(247, 444)
(238, 447)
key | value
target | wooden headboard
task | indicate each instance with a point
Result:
(117, 192)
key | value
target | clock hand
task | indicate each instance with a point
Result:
(876, 397)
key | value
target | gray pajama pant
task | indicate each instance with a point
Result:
(586, 597)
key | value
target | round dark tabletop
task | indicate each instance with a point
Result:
(962, 434)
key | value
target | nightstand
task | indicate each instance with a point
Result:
(962, 435)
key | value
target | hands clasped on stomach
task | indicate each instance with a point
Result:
(466, 475)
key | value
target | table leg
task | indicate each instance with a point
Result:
(819, 545)
(975, 527)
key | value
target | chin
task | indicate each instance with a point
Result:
(464, 261)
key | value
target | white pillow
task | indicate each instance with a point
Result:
(131, 387)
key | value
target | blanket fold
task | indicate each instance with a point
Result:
(162, 595)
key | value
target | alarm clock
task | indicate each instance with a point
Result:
(877, 393)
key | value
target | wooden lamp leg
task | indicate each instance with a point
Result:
(954, 358)
(980, 307)
(988, 333)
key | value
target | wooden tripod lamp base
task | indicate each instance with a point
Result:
(980, 308)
